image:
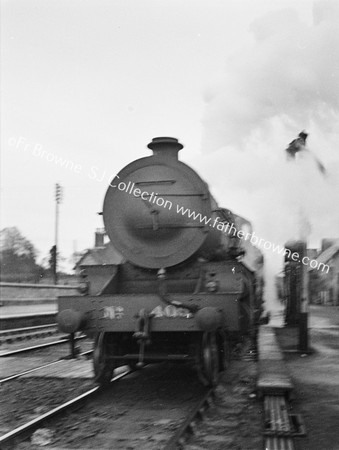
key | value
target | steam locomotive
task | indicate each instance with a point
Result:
(191, 286)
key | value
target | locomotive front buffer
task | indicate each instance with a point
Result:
(137, 329)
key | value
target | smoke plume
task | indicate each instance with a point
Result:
(287, 81)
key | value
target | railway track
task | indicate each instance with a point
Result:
(126, 413)
(26, 333)
(175, 440)
(22, 432)
(17, 321)
(43, 366)
(195, 415)
(63, 340)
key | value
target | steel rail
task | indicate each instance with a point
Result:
(20, 433)
(27, 329)
(38, 347)
(17, 375)
(195, 414)
(10, 321)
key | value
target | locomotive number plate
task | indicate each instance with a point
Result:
(113, 312)
(171, 311)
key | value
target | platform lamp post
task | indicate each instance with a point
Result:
(304, 307)
(293, 151)
(58, 199)
(304, 232)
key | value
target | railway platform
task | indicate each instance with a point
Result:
(12, 317)
(273, 376)
(309, 422)
(274, 387)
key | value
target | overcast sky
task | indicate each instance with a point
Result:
(91, 82)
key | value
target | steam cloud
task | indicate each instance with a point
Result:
(290, 73)
(286, 82)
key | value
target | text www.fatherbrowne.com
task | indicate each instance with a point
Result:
(37, 150)
(224, 227)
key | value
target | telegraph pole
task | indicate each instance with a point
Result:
(58, 199)
(300, 285)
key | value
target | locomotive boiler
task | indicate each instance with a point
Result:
(191, 285)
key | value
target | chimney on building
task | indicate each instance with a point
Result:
(99, 237)
(312, 253)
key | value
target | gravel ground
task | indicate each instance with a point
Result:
(28, 342)
(24, 399)
(235, 421)
(139, 412)
(17, 345)
(15, 364)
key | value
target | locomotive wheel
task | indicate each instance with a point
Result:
(103, 366)
(224, 351)
(133, 365)
(208, 368)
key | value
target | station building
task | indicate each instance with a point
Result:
(99, 263)
(324, 284)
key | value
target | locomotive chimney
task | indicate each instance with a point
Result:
(166, 147)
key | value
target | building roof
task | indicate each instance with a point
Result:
(328, 254)
(99, 256)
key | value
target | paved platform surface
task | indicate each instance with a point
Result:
(316, 378)
(273, 376)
